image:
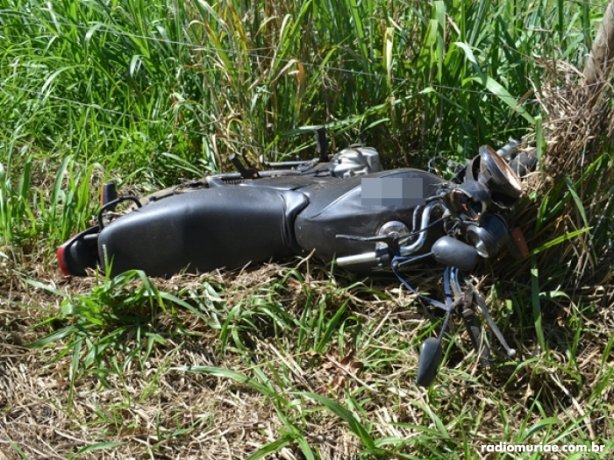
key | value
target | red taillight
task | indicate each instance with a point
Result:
(62, 260)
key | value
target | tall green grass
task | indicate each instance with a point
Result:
(153, 91)
(134, 79)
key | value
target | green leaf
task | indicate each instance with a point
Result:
(537, 308)
(355, 426)
(560, 239)
(232, 375)
(576, 199)
(330, 328)
(470, 57)
(46, 287)
(540, 425)
(100, 446)
(54, 337)
(270, 448)
(503, 94)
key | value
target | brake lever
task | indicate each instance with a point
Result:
(471, 321)
(431, 351)
(474, 328)
(511, 352)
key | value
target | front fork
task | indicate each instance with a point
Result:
(460, 300)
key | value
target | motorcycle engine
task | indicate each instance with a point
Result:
(355, 161)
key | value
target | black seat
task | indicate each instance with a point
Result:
(203, 230)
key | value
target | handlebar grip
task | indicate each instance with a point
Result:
(364, 258)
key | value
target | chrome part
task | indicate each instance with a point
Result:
(426, 217)
(393, 227)
(509, 149)
(497, 175)
(355, 161)
(365, 258)
(414, 219)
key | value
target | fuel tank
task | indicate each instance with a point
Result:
(359, 206)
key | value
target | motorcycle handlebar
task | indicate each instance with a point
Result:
(373, 257)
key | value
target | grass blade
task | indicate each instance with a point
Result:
(355, 426)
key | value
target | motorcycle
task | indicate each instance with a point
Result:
(344, 208)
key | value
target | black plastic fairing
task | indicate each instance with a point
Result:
(339, 207)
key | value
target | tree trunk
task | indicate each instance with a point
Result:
(599, 62)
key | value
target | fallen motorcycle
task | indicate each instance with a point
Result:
(343, 208)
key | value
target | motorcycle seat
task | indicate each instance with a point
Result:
(203, 230)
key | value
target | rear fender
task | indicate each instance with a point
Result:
(79, 253)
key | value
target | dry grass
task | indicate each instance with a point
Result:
(151, 407)
(155, 409)
(575, 178)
